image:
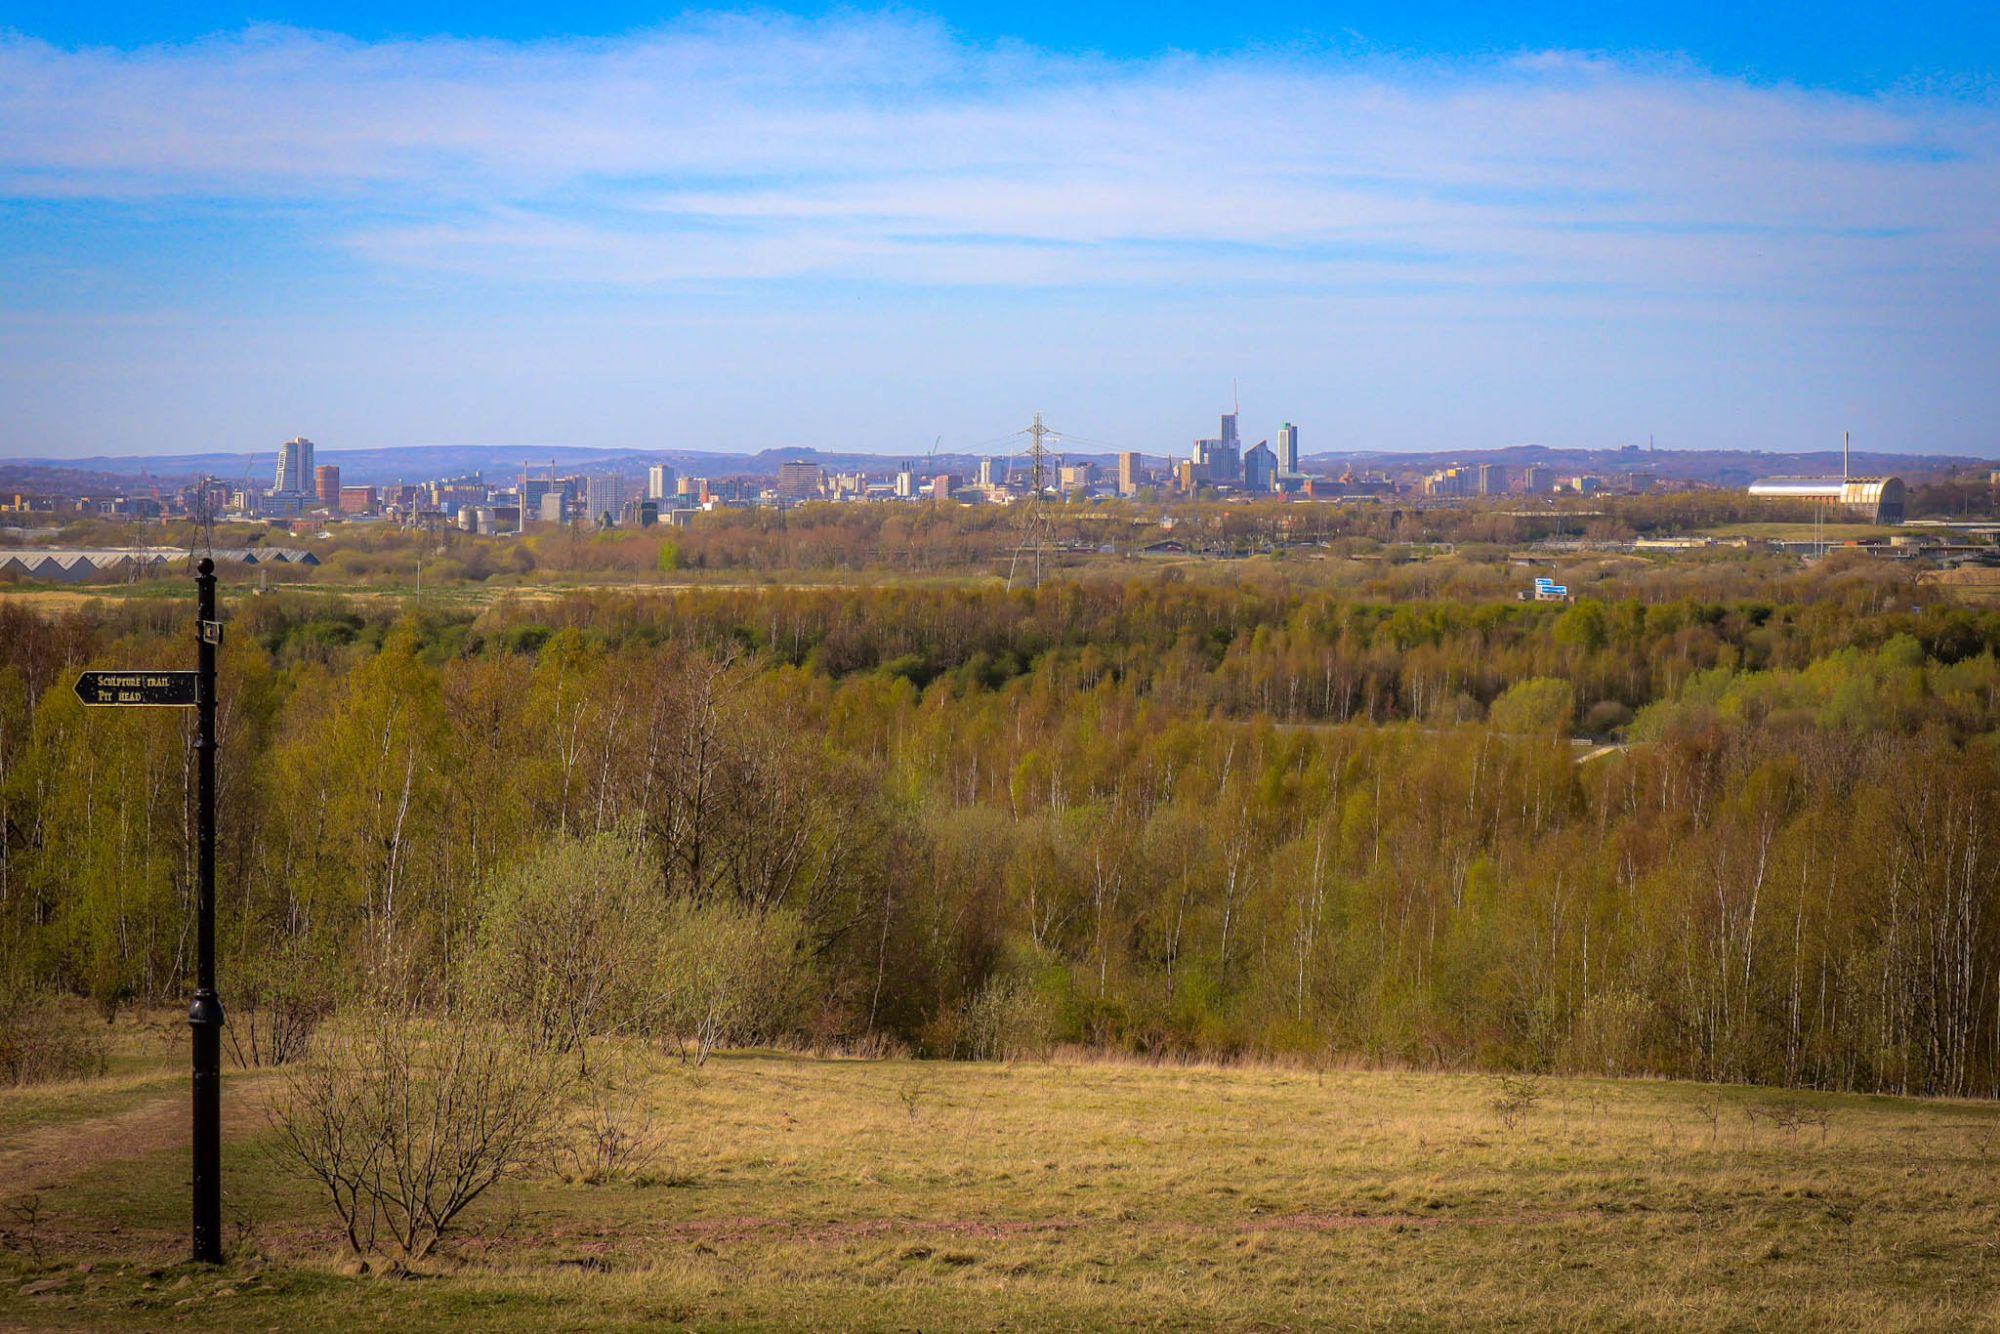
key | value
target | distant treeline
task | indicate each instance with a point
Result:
(1151, 815)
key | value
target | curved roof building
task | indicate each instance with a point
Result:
(1872, 499)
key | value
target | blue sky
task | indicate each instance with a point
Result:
(1857, 47)
(1403, 227)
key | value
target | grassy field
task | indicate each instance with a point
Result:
(1979, 586)
(801, 1193)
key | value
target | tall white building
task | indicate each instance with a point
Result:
(1288, 449)
(660, 481)
(295, 466)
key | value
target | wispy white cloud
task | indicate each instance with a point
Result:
(879, 149)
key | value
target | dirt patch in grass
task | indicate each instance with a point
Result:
(1341, 1222)
(46, 1156)
(837, 1232)
(831, 1232)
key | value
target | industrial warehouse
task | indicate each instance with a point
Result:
(1867, 499)
(74, 565)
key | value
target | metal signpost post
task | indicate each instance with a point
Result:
(205, 1014)
(195, 689)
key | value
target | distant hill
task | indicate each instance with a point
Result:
(416, 463)
(412, 463)
(1717, 467)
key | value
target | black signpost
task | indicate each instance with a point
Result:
(205, 1014)
(173, 690)
(194, 689)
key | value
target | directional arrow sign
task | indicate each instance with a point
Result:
(164, 689)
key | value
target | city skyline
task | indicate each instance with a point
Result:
(730, 232)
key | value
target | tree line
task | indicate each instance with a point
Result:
(1161, 815)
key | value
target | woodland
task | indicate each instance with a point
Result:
(1736, 824)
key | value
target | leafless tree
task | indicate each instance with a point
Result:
(405, 1120)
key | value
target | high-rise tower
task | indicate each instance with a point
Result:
(1131, 467)
(295, 466)
(1288, 449)
(604, 498)
(326, 485)
(1260, 469)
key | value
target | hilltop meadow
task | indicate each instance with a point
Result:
(771, 1191)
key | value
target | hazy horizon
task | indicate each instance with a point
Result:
(255, 461)
(863, 231)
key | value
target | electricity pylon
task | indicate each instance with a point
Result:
(1034, 517)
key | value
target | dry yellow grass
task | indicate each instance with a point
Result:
(800, 1193)
(1976, 584)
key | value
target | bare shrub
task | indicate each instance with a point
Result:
(1790, 1117)
(1514, 1097)
(403, 1121)
(276, 1005)
(915, 1091)
(24, 1226)
(617, 1135)
(1710, 1111)
(41, 1040)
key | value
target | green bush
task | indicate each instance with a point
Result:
(1536, 706)
(567, 939)
(726, 975)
